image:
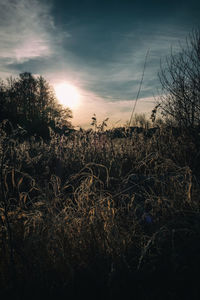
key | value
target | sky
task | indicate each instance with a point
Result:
(97, 46)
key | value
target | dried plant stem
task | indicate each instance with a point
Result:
(140, 86)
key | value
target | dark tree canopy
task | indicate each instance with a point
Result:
(30, 102)
(180, 80)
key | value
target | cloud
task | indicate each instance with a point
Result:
(100, 50)
(26, 28)
(110, 63)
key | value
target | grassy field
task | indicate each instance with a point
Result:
(96, 216)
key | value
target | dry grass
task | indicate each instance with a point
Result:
(92, 213)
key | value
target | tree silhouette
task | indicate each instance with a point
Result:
(30, 102)
(180, 80)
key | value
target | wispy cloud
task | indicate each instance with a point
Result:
(114, 72)
(26, 28)
(95, 47)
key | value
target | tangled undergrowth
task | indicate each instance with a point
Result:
(87, 214)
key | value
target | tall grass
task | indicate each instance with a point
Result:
(87, 213)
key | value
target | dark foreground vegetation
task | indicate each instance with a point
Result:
(95, 214)
(90, 215)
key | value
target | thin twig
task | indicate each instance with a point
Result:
(140, 86)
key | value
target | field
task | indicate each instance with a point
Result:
(90, 214)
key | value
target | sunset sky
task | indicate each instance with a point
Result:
(95, 48)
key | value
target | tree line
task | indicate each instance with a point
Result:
(30, 102)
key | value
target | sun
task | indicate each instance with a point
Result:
(67, 95)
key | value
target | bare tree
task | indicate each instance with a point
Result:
(180, 80)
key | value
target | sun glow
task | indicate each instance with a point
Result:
(67, 95)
